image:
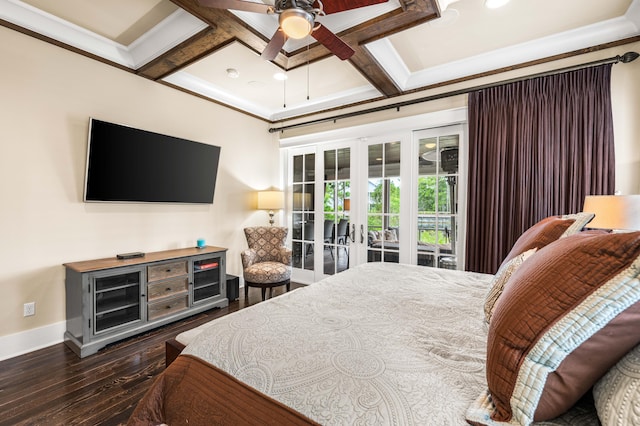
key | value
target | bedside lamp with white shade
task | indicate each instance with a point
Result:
(270, 200)
(615, 212)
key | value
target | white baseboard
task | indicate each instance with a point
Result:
(24, 342)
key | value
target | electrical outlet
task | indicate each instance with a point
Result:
(29, 309)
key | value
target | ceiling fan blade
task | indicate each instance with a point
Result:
(247, 6)
(342, 5)
(274, 46)
(332, 42)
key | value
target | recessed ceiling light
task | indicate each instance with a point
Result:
(280, 76)
(232, 73)
(494, 4)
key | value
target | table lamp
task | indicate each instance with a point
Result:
(270, 200)
(616, 212)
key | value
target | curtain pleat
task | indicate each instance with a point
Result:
(536, 148)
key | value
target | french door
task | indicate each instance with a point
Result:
(322, 203)
(388, 199)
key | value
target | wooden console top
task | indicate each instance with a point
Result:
(114, 262)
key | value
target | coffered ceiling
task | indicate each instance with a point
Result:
(401, 46)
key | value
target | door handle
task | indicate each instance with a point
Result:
(361, 234)
(353, 233)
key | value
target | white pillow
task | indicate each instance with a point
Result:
(500, 280)
(617, 393)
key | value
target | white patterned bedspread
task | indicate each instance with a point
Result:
(380, 344)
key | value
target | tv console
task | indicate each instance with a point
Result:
(111, 299)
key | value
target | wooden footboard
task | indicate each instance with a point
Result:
(193, 392)
(172, 349)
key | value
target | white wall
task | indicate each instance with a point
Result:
(47, 95)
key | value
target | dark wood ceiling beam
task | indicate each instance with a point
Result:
(227, 22)
(186, 53)
(367, 65)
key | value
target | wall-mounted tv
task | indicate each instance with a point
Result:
(131, 165)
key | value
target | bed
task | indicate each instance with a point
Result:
(379, 344)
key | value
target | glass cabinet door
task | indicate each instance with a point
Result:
(206, 279)
(116, 300)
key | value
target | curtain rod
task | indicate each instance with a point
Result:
(626, 58)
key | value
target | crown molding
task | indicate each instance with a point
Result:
(584, 37)
(173, 30)
(45, 24)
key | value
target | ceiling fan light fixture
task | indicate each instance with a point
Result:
(296, 23)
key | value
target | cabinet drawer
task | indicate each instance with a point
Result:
(167, 306)
(166, 270)
(167, 288)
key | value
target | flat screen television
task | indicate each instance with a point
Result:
(131, 165)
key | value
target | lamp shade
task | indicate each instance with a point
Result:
(270, 200)
(613, 211)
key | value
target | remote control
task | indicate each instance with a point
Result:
(130, 255)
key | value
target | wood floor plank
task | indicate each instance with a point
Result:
(52, 386)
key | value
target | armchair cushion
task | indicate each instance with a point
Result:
(267, 272)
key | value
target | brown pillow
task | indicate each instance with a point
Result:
(569, 313)
(547, 231)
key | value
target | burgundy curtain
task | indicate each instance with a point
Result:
(536, 148)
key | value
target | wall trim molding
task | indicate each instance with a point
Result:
(16, 344)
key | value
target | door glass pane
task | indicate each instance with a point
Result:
(383, 220)
(329, 200)
(309, 167)
(297, 168)
(437, 201)
(309, 238)
(330, 165)
(344, 163)
(337, 199)
(297, 197)
(307, 198)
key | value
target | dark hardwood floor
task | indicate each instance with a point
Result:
(52, 386)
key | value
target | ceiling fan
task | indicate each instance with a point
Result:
(297, 19)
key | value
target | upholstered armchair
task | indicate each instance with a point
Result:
(267, 262)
